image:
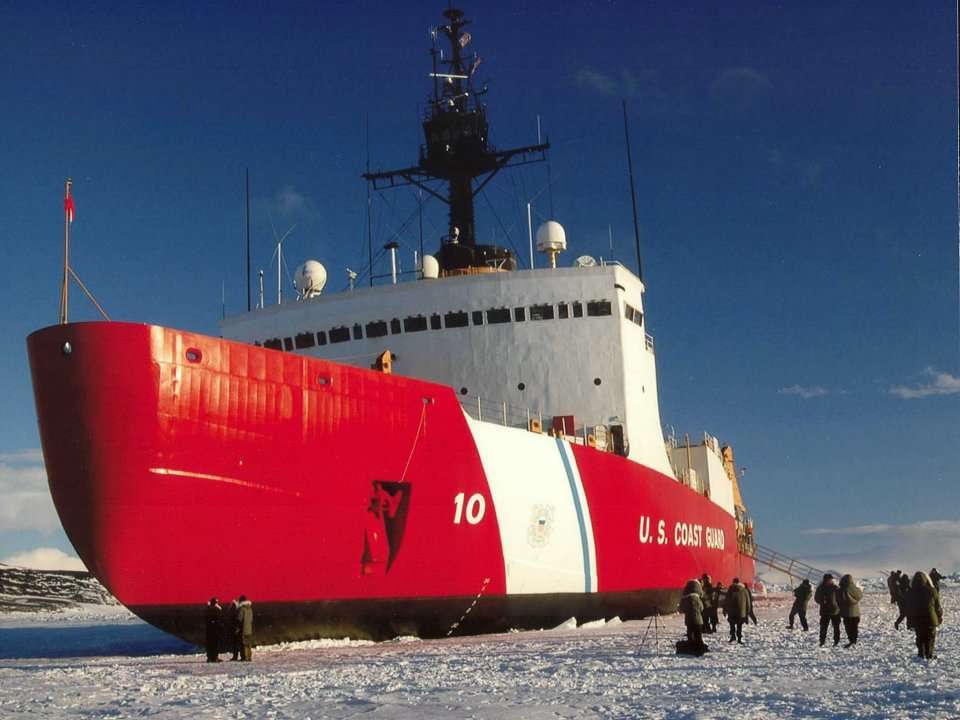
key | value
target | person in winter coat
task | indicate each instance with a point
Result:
(737, 608)
(925, 613)
(753, 618)
(719, 593)
(245, 622)
(827, 597)
(801, 597)
(935, 578)
(902, 592)
(893, 585)
(691, 605)
(212, 622)
(850, 596)
(709, 610)
(232, 628)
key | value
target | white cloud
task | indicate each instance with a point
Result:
(25, 502)
(45, 558)
(291, 204)
(868, 549)
(805, 392)
(624, 84)
(939, 383)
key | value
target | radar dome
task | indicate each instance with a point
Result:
(584, 261)
(431, 268)
(552, 240)
(550, 236)
(309, 279)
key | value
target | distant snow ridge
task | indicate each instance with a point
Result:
(24, 590)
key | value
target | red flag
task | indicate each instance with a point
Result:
(68, 207)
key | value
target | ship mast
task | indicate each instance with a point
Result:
(457, 150)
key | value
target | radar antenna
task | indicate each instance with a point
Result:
(458, 150)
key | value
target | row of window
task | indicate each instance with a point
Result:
(455, 319)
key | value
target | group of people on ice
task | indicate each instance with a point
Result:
(701, 604)
(918, 600)
(232, 628)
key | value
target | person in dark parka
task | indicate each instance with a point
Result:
(212, 622)
(827, 598)
(893, 585)
(737, 608)
(925, 613)
(801, 597)
(245, 621)
(232, 628)
(850, 596)
(719, 594)
(709, 610)
(753, 618)
(935, 578)
(691, 605)
(902, 592)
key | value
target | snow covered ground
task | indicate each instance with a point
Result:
(103, 663)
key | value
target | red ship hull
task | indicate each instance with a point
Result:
(184, 466)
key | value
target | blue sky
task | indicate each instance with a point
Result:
(797, 192)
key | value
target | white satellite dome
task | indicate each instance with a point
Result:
(551, 236)
(552, 240)
(309, 279)
(431, 268)
(584, 261)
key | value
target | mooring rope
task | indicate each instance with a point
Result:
(486, 581)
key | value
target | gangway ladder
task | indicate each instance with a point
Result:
(791, 567)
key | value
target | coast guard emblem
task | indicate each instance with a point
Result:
(541, 525)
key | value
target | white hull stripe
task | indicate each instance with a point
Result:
(583, 519)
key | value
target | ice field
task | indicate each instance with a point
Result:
(103, 663)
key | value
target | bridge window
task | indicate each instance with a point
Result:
(478, 317)
(322, 337)
(498, 315)
(339, 334)
(376, 329)
(303, 341)
(632, 314)
(435, 322)
(395, 326)
(563, 311)
(357, 332)
(414, 323)
(598, 308)
(577, 309)
(273, 344)
(541, 312)
(519, 314)
(288, 344)
(456, 319)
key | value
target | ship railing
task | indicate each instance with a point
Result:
(648, 342)
(516, 416)
(789, 566)
(499, 412)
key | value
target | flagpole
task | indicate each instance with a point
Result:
(64, 292)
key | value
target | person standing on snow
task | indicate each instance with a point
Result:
(935, 578)
(737, 608)
(718, 596)
(212, 622)
(708, 608)
(245, 622)
(826, 597)
(893, 585)
(925, 613)
(849, 599)
(691, 605)
(902, 592)
(801, 597)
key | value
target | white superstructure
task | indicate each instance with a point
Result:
(563, 342)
